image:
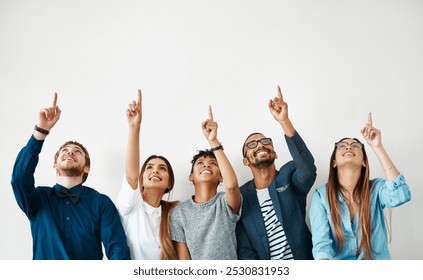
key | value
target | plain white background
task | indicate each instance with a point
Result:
(335, 61)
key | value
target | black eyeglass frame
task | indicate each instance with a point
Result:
(349, 144)
(256, 143)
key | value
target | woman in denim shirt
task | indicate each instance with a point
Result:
(346, 214)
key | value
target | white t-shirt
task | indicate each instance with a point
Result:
(278, 243)
(141, 223)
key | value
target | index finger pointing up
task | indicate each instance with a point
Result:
(370, 118)
(139, 96)
(210, 113)
(55, 100)
(280, 93)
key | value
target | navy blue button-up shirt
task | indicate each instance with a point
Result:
(60, 229)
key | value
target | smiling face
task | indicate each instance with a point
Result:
(205, 169)
(72, 160)
(348, 151)
(261, 156)
(156, 174)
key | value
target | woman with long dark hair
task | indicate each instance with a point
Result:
(144, 213)
(347, 214)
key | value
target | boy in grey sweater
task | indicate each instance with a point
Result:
(203, 227)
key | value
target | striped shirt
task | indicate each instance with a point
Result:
(278, 243)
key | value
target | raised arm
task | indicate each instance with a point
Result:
(233, 194)
(305, 174)
(373, 137)
(279, 109)
(134, 117)
(23, 181)
(47, 118)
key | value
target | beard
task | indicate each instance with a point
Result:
(71, 171)
(263, 164)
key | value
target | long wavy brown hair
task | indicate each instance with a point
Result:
(168, 251)
(361, 195)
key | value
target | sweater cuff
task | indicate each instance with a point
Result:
(34, 145)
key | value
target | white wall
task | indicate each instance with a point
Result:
(335, 61)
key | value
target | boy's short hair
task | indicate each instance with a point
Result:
(201, 153)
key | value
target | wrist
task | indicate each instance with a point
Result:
(216, 148)
(214, 143)
(135, 128)
(41, 130)
(287, 127)
(378, 148)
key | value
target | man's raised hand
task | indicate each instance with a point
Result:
(49, 116)
(278, 107)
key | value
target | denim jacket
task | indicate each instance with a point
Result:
(383, 194)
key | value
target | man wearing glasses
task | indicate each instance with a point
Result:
(273, 224)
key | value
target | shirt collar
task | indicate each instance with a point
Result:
(78, 188)
(150, 209)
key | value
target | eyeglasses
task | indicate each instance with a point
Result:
(264, 141)
(353, 145)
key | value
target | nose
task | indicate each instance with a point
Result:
(349, 147)
(260, 146)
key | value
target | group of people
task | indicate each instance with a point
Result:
(263, 219)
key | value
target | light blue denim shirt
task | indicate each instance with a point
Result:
(383, 194)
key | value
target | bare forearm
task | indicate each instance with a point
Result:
(226, 169)
(133, 157)
(233, 194)
(391, 172)
(287, 127)
(228, 173)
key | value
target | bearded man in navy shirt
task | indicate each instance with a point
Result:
(69, 221)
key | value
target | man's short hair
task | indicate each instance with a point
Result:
(245, 142)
